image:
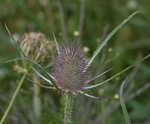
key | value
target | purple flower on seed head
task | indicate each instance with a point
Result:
(69, 68)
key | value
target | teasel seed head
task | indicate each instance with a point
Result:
(69, 68)
(36, 47)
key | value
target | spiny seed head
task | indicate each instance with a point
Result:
(69, 68)
(36, 47)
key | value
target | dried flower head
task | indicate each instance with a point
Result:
(69, 68)
(36, 47)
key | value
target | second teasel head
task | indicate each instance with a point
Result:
(36, 47)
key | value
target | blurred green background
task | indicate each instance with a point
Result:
(100, 17)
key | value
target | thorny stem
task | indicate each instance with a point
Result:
(13, 98)
(68, 108)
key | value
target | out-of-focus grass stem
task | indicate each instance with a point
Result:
(13, 98)
(62, 19)
(36, 100)
(81, 20)
(103, 111)
(122, 103)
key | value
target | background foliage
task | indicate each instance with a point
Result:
(100, 17)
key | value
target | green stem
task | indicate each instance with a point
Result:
(68, 108)
(122, 103)
(13, 99)
(103, 111)
(36, 100)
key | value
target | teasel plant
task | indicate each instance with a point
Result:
(71, 72)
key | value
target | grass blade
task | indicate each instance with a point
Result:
(13, 99)
(122, 103)
(14, 42)
(110, 35)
